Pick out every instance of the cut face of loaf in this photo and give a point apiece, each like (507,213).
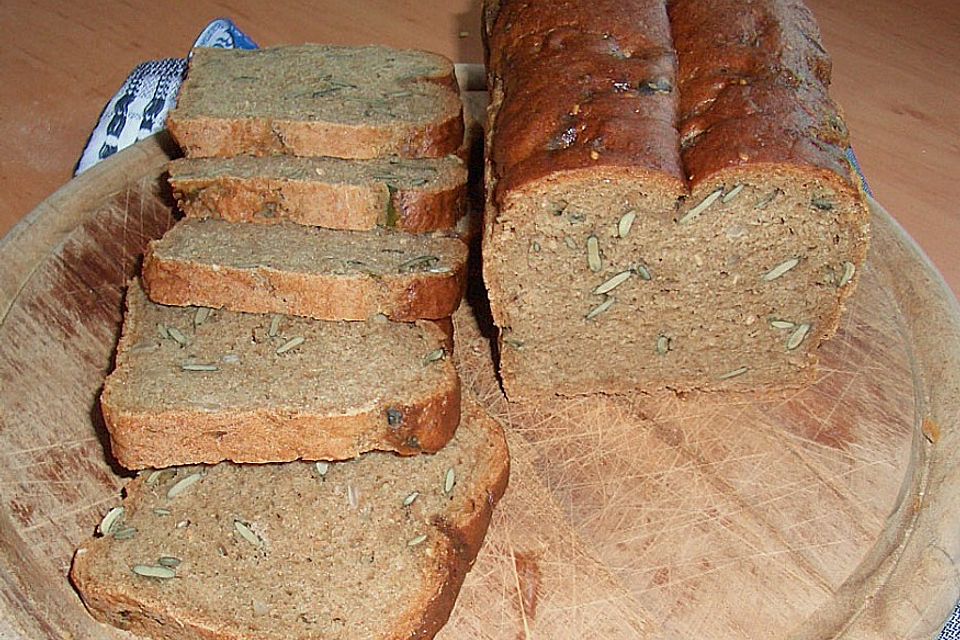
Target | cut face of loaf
(682,214)
(196,385)
(311,100)
(307,271)
(374,548)
(600,286)
(414,195)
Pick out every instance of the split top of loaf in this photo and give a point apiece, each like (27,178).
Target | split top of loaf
(681,214)
(372,548)
(313,100)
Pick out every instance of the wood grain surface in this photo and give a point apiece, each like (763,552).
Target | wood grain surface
(828,512)
(895,72)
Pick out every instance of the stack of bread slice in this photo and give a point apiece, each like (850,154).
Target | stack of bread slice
(298,317)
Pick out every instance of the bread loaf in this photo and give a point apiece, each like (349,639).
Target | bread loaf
(680,214)
(307,271)
(201,386)
(312,100)
(370,549)
(414,195)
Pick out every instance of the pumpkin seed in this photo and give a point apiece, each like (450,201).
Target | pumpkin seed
(353,496)
(247,533)
(433,356)
(410,499)
(733,374)
(733,193)
(420,539)
(782,324)
(593,254)
(600,308)
(821,203)
(780,269)
(125,533)
(420,263)
(570,242)
(642,271)
(848,270)
(199,366)
(154,477)
(110,521)
(177,336)
(613,282)
(693,213)
(798,336)
(626,223)
(160,511)
(274,328)
(513,342)
(153,571)
(322,468)
(162,332)
(663,345)
(183,484)
(449,480)
(765,201)
(292,343)
(168,561)
(201,316)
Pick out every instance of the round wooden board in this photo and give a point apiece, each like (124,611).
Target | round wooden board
(828,512)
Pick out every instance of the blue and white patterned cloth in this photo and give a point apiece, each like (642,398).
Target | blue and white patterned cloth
(140,109)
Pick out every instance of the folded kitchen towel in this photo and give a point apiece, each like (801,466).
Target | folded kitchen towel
(139,109)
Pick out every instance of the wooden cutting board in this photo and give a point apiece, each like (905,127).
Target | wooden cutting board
(829,512)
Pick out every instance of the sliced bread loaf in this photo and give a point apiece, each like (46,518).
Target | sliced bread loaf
(681,218)
(312,100)
(199,385)
(307,271)
(374,548)
(414,195)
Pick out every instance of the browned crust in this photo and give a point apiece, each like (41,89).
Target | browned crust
(401,297)
(166,438)
(462,540)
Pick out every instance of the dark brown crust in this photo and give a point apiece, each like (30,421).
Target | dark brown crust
(463,538)
(615,106)
(754,85)
(354,207)
(401,297)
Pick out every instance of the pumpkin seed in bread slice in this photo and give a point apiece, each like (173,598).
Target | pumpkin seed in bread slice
(373,548)
(194,385)
(313,100)
(307,271)
(415,195)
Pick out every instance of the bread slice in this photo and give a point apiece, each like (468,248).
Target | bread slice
(414,195)
(681,214)
(306,271)
(374,548)
(312,100)
(198,385)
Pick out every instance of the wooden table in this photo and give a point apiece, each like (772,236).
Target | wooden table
(895,72)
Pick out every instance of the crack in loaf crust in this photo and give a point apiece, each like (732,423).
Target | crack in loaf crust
(680,211)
